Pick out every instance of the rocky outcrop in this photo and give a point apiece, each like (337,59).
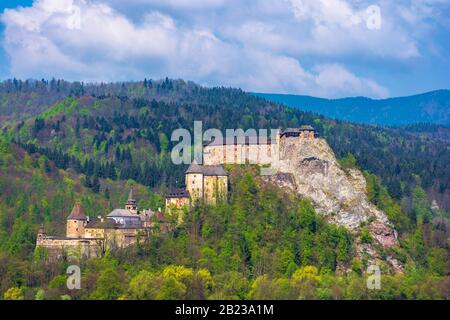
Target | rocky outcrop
(384,234)
(310,168)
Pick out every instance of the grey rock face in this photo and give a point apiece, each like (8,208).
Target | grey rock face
(336,193)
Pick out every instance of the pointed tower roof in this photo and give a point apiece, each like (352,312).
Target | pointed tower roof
(195,168)
(131,195)
(77,213)
(131,202)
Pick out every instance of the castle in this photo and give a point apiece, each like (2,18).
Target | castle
(206,183)
(91,237)
(209,182)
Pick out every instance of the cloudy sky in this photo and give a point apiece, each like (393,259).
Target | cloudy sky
(327,48)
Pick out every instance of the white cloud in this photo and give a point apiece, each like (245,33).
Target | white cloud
(258,46)
(335,78)
(337,28)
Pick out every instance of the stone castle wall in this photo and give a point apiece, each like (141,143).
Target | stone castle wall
(93,243)
(260,154)
(239,154)
(72,248)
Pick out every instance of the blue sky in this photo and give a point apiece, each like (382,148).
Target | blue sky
(326,48)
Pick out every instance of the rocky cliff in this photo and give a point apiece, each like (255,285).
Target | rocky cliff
(310,168)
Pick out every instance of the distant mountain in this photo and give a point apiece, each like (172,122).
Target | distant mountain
(430,107)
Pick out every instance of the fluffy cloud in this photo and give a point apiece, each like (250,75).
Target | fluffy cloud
(335,78)
(258,46)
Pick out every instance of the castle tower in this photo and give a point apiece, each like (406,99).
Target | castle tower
(41,234)
(208,183)
(131,202)
(76,222)
(194,181)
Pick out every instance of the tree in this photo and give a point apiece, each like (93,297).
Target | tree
(305,281)
(22,239)
(420,205)
(390,288)
(356,288)
(416,245)
(47,167)
(344,245)
(107,196)
(306,247)
(285,263)
(264,288)
(87,182)
(108,286)
(144,286)
(13,293)
(379,196)
(438,263)
(96,185)
(171,289)
(307,216)
(200,286)
(230,285)
(349,162)
(40,294)
(395,189)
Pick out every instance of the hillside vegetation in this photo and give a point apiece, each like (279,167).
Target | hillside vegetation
(93,141)
(263,244)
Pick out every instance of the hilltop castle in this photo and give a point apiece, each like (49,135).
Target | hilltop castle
(209,182)
(91,237)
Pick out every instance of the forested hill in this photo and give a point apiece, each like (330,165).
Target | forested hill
(123,131)
(61,142)
(428,130)
(431,107)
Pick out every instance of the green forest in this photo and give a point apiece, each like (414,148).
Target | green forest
(63,142)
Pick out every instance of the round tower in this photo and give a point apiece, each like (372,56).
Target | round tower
(76,222)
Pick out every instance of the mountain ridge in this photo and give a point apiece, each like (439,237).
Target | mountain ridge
(126,126)
(429,107)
